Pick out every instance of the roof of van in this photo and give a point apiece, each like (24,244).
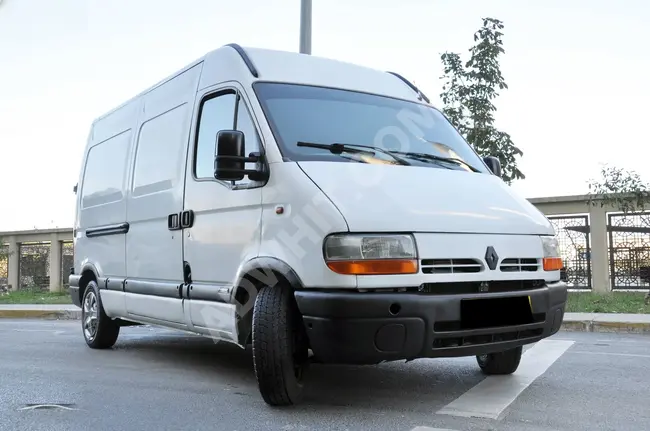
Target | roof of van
(284,66)
(230,61)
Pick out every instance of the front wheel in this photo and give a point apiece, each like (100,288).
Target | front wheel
(280,350)
(505,362)
(100,331)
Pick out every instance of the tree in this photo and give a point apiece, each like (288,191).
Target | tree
(468,97)
(622,189)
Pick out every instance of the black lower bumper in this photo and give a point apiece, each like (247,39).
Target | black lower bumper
(368,328)
(74,289)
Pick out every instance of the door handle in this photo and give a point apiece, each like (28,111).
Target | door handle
(174,221)
(181,220)
(187,219)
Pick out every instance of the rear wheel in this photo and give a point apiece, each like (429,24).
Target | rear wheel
(100,331)
(505,362)
(280,349)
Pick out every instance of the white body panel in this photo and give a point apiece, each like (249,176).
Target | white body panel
(211,318)
(113,303)
(296,236)
(416,199)
(139,167)
(102,198)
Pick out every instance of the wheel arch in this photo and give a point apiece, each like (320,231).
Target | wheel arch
(88,273)
(252,276)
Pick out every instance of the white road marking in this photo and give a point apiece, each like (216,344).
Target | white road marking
(430,429)
(631,355)
(494,394)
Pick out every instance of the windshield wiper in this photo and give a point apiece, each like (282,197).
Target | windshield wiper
(430,157)
(349,148)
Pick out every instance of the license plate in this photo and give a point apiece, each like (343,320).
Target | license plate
(497,311)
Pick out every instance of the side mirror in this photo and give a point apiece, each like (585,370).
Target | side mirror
(494,164)
(229,161)
(230,158)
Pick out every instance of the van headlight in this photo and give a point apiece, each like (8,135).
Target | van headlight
(367,254)
(551,248)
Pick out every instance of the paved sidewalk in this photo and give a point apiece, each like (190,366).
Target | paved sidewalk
(584,322)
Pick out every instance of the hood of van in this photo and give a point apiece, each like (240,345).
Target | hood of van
(380,198)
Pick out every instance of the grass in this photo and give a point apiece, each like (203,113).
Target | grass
(36,297)
(614,302)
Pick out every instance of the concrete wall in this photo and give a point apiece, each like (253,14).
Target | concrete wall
(15,238)
(570,205)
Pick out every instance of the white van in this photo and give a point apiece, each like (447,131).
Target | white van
(318,210)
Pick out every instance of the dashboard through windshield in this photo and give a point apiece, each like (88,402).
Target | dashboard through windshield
(302,113)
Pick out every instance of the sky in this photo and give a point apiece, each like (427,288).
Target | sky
(576,70)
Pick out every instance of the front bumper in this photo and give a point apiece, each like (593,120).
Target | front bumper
(364,328)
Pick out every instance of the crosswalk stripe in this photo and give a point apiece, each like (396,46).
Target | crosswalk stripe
(490,397)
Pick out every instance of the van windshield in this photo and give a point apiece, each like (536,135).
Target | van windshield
(301,113)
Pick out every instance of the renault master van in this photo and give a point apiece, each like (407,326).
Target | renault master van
(315,210)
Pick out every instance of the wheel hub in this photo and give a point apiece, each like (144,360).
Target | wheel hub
(90,315)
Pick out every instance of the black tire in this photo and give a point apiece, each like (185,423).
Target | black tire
(103,333)
(280,350)
(505,362)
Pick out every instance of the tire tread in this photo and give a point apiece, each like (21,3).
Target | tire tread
(272,359)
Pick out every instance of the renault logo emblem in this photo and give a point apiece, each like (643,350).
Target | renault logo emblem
(491,258)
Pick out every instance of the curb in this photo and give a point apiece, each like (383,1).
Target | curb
(41,314)
(596,326)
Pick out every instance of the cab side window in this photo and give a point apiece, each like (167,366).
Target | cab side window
(224,112)
(217,113)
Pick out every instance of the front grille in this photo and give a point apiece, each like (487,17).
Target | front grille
(470,287)
(519,265)
(451,266)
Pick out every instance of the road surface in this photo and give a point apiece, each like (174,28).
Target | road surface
(157,379)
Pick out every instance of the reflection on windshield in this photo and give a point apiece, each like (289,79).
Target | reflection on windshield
(314,114)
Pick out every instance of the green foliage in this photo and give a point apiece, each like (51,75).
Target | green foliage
(623,189)
(469,90)
(35,296)
(612,302)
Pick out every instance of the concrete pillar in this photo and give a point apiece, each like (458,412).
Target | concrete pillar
(13,264)
(599,250)
(55,263)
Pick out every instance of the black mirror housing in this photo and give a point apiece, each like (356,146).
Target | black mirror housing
(493,164)
(230,158)
(229,161)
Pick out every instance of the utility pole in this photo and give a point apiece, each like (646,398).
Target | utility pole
(305,27)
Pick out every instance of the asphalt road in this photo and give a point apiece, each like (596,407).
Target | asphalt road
(155,379)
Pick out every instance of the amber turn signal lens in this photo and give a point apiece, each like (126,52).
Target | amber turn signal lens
(552,263)
(374,267)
